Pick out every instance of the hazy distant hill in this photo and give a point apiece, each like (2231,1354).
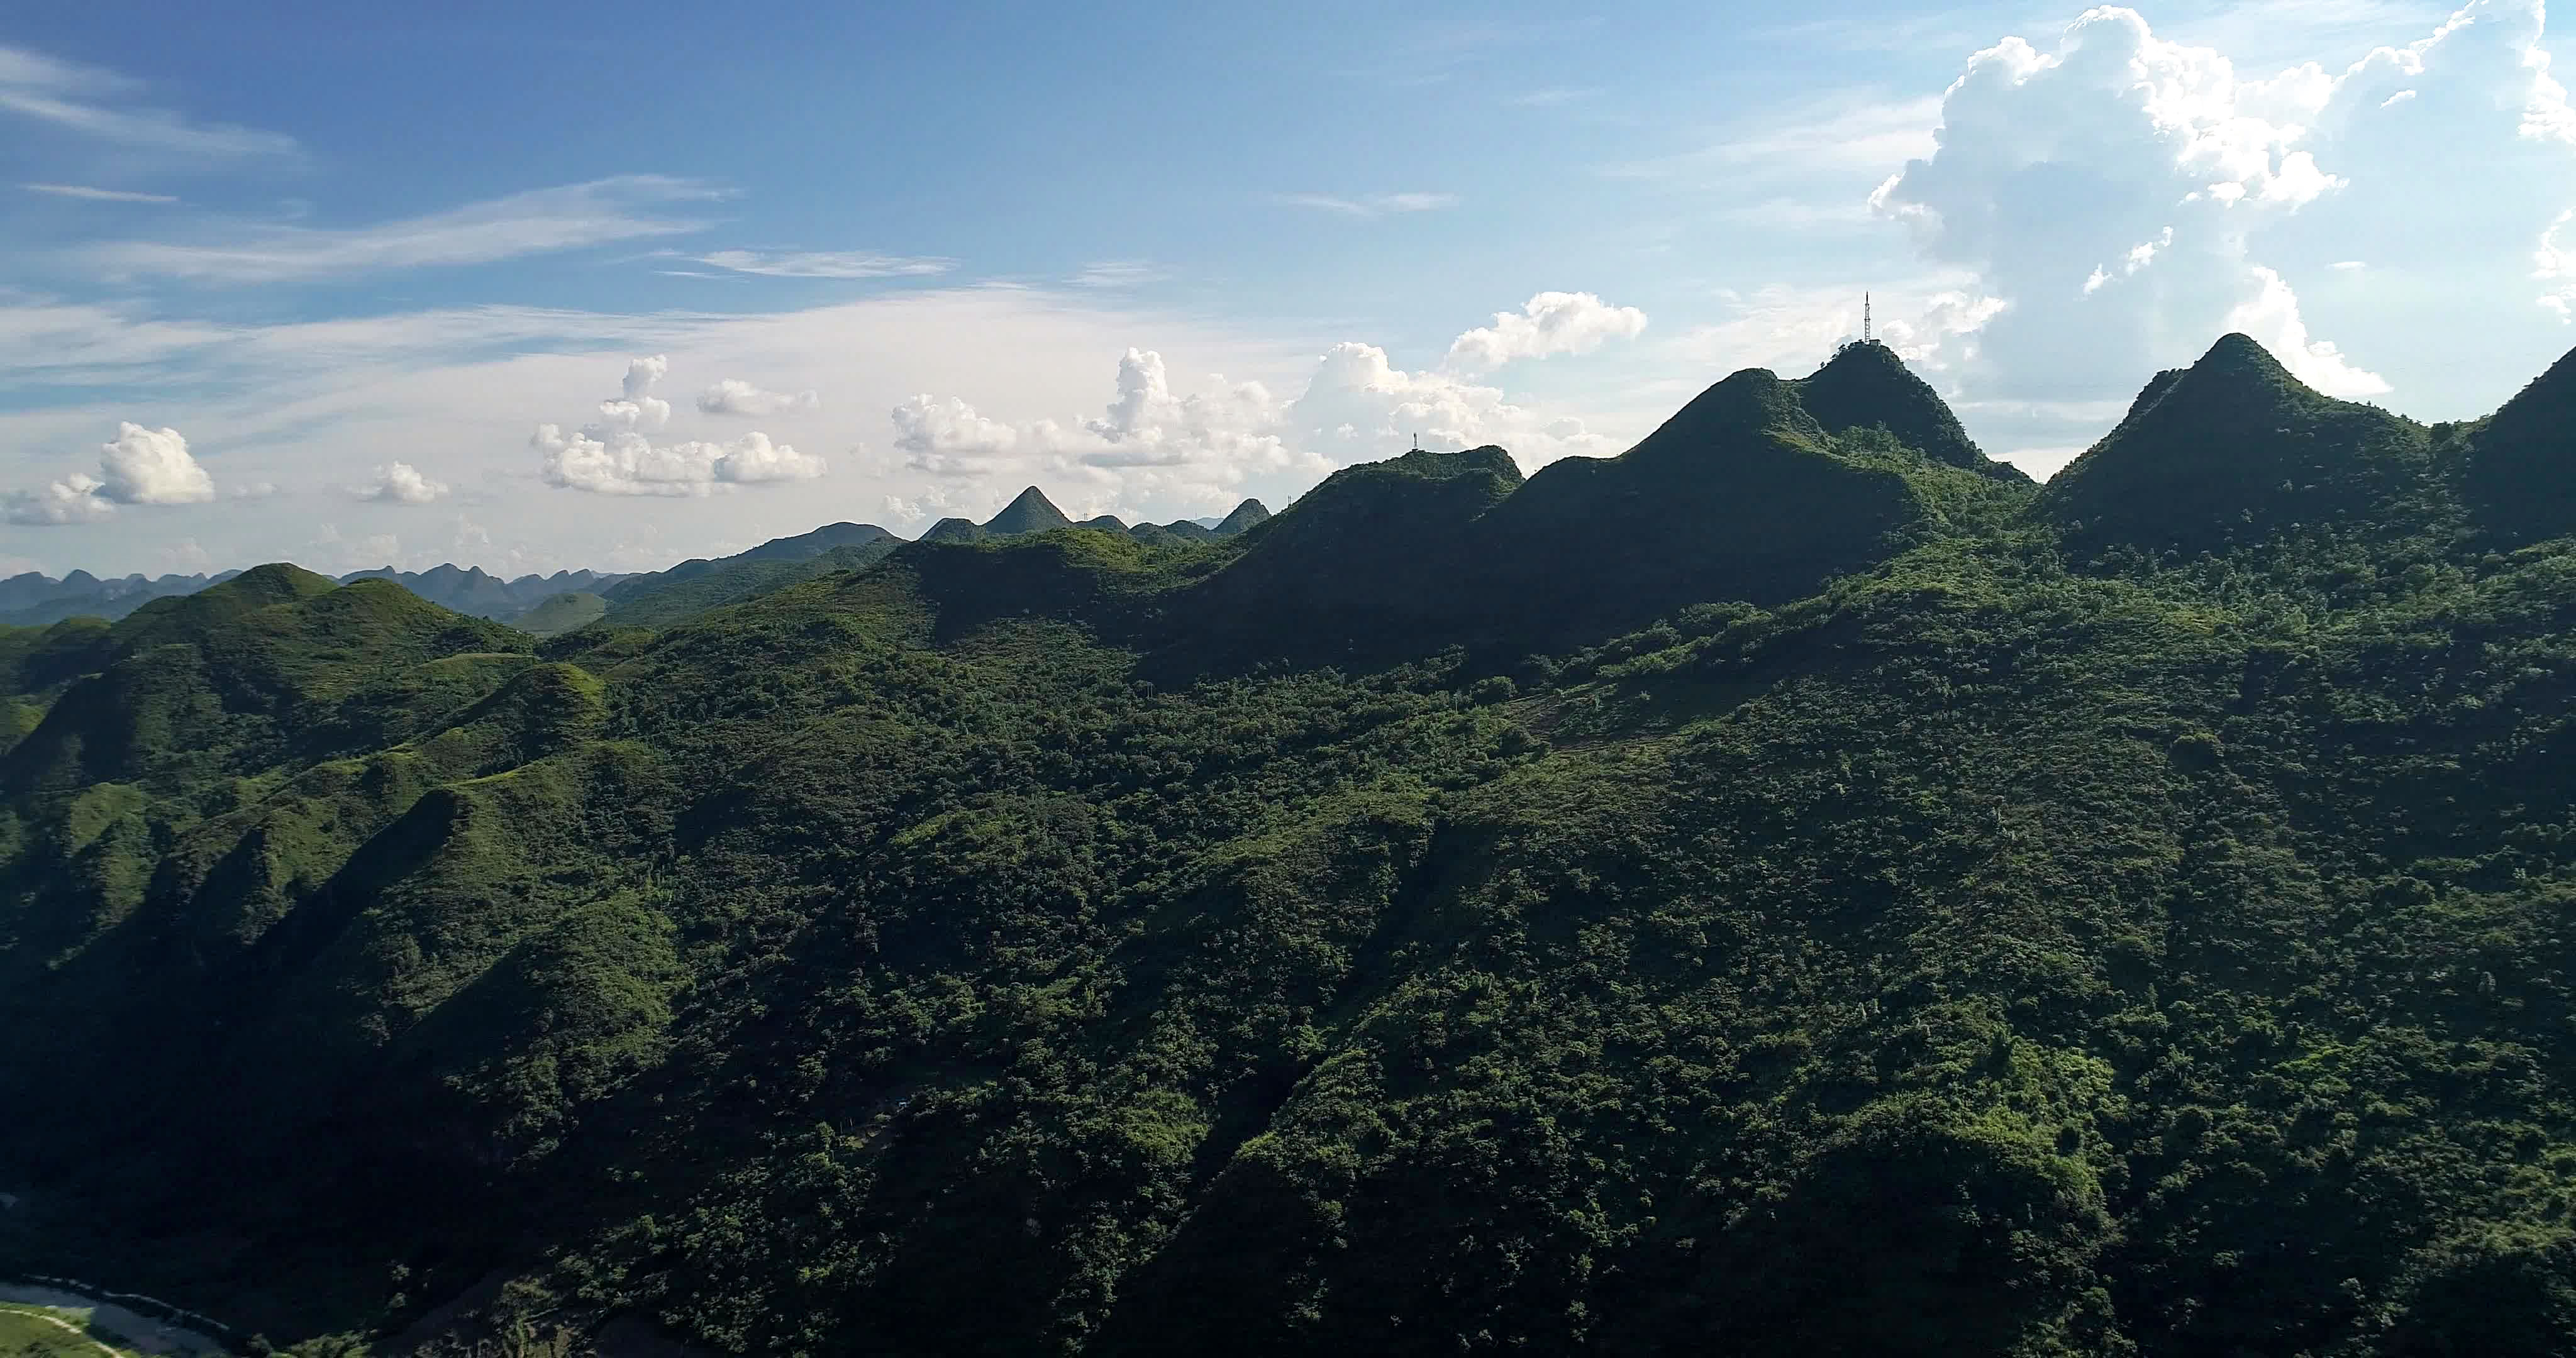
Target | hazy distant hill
(658,598)
(561,613)
(469,589)
(33,599)
(1032,512)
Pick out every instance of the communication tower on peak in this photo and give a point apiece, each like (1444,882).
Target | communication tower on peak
(1868,332)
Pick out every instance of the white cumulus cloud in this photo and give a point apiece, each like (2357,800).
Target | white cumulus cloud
(151,467)
(2121,199)
(947,437)
(138,467)
(617,455)
(73,499)
(1200,450)
(1549,323)
(732,396)
(403,484)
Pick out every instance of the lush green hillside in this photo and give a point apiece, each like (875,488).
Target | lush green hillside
(2234,450)
(1780,891)
(1866,386)
(561,613)
(1741,495)
(2520,458)
(693,587)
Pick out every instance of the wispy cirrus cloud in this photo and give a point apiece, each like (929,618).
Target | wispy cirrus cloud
(825,264)
(1853,132)
(75,98)
(1119,273)
(53,342)
(625,207)
(1551,97)
(98,195)
(1421,52)
(1372,205)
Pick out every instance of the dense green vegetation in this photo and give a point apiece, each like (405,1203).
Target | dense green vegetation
(1785,890)
(561,613)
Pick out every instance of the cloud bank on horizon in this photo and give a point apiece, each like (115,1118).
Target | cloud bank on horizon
(1208,449)
(2076,209)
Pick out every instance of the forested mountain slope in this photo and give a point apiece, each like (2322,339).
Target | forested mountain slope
(1923,922)
(2233,450)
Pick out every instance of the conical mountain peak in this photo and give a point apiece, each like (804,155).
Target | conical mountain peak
(2545,402)
(277,582)
(1246,515)
(1867,356)
(2239,352)
(2228,449)
(1753,401)
(2235,385)
(2520,459)
(1868,386)
(1032,512)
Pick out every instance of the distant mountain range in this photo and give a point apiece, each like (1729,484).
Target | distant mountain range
(33,600)
(662,597)
(471,591)
(1032,512)
(544,603)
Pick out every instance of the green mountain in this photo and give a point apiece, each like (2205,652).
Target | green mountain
(1244,517)
(1743,495)
(1866,386)
(2230,451)
(1365,564)
(661,598)
(1778,891)
(1030,512)
(561,613)
(806,546)
(2517,479)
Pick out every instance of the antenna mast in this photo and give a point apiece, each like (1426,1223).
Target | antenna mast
(1868,332)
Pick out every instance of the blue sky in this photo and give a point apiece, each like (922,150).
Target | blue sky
(536,287)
